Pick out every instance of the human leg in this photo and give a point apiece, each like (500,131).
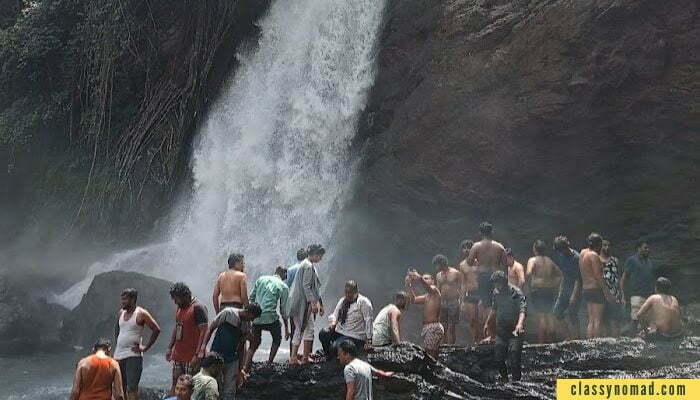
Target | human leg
(276,333)
(230,375)
(515,350)
(327,337)
(500,353)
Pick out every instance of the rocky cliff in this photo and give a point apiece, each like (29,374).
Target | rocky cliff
(542,116)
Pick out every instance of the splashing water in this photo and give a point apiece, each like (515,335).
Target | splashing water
(272,166)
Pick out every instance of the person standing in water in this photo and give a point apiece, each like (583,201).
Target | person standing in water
(357,373)
(269,292)
(490,256)
(567,304)
(508,312)
(638,278)
(191,325)
(661,315)
(594,290)
(449,282)
(386,328)
(231,287)
(470,288)
(351,320)
(433,331)
(516,271)
(306,303)
(614,312)
(543,278)
(97,376)
(128,332)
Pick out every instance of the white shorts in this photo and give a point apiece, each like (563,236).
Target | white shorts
(308,333)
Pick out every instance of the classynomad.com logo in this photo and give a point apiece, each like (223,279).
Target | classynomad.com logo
(628,389)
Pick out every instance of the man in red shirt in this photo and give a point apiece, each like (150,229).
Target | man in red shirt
(191,326)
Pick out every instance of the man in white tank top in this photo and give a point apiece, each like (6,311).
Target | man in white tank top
(129,349)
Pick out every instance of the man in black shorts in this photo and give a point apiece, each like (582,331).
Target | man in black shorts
(567,304)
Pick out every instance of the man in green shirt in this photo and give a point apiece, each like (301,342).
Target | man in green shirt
(205,385)
(268,292)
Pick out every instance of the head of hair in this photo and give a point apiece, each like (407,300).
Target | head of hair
(606,241)
(349,347)
(351,286)
(595,240)
(400,295)
(130,293)
(212,359)
(234,258)
(301,254)
(509,252)
(466,243)
(540,247)
(315,249)
(254,309)
(102,344)
(186,379)
(486,228)
(663,285)
(180,289)
(440,261)
(499,277)
(642,242)
(561,242)
(280,270)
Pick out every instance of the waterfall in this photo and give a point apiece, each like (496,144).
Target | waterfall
(271,164)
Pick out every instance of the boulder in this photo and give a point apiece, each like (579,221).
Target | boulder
(96,314)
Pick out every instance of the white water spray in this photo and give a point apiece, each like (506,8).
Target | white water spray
(272,166)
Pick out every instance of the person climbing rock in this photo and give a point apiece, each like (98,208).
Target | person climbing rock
(269,292)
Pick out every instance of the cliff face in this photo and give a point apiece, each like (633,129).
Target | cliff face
(544,117)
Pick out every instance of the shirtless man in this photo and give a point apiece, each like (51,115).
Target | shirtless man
(449,282)
(491,257)
(516,271)
(433,330)
(231,288)
(595,291)
(470,288)
(543,278)
(662,314)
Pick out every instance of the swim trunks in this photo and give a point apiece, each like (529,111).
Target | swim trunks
(542,299)
(485,285)
(233,304)
(432,335)
(449,311)
(660,338)
(594,296)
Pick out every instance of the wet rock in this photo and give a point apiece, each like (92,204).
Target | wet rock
(95,316)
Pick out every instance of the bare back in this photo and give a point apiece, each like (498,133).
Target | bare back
(591,270)
(543,272)
(449,282)
(664,313)
(470,276)
(491,255)
(516,275)
(231,285)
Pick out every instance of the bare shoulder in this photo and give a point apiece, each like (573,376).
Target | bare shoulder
(499,245)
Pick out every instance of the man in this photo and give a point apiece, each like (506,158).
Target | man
(638,278)
(386,327)
(516,271)
(291,274)
(269,292)
(184,388)
(306,303)
(128,332)
(614,312)
(188,333)
(358,374)
(661,314)
(205,384)
(566,305)
(351,320)
(231,326)
(508,310)
(97,376)
(491,257)
(470,288)
(543,277)
(449,282)
(231,287)
(433,331)
(595,292)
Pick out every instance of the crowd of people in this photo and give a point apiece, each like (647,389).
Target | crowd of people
(489,286)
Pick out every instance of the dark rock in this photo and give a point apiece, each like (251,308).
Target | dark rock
(95,316)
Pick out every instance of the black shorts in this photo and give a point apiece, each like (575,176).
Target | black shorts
(542,300)
(274,328)
(594,296)
(131,369)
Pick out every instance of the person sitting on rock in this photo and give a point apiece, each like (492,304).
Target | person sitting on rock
(357,373)
(351,320)
(98,376)
(433,331)
(231,287)
(508,309)
(205,384)
(661,315)
(184,388)
(386,327)
(232,325)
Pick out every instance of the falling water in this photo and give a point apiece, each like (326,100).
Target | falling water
(272,166)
